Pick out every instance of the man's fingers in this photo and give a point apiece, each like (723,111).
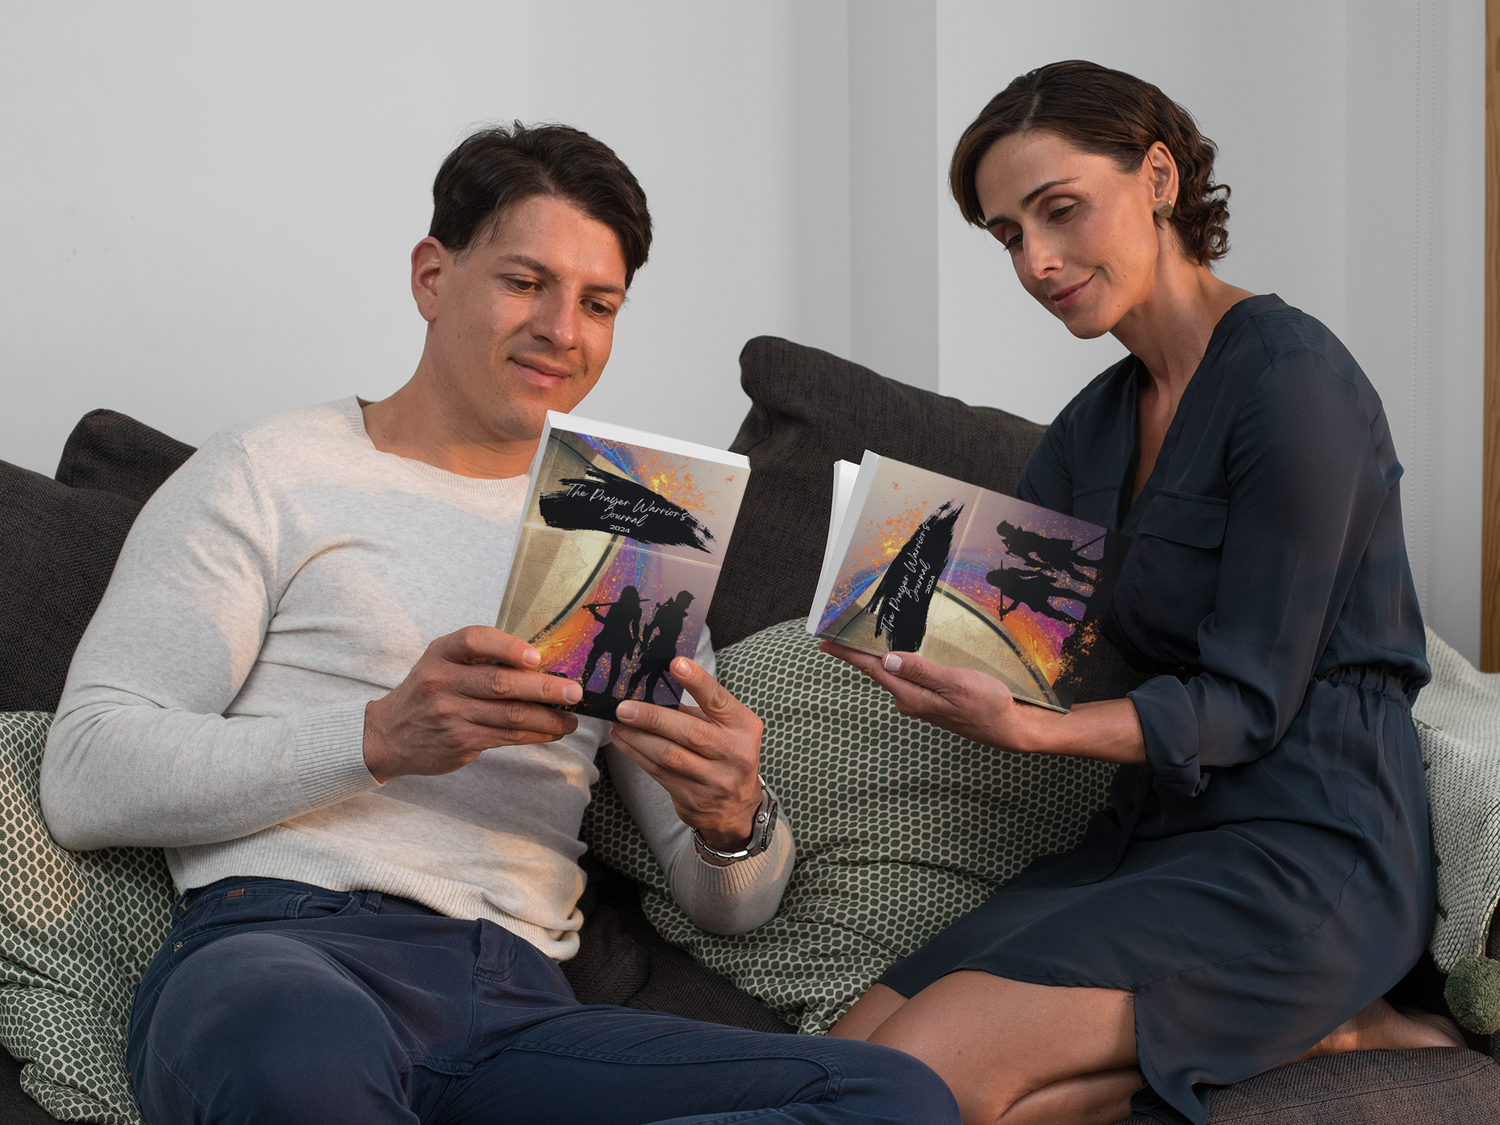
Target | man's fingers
(493,681)
(480,644)
(692,732)
(662,758)
(513,716)
(712,696)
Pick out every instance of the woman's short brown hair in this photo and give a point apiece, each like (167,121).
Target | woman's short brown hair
(1113,114)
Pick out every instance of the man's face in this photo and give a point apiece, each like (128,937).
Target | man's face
(521,323)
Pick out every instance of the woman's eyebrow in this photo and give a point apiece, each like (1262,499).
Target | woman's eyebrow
(1030,199)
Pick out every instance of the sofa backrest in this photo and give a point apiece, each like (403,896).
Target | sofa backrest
(58,544)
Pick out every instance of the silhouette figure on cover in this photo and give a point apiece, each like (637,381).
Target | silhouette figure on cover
(619,634)
(659,643)
(1046,564)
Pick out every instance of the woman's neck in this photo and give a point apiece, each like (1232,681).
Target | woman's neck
(1170,332)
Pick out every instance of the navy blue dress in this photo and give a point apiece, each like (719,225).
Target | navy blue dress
(1268,872)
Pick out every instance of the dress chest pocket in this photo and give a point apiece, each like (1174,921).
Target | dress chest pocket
(1174,565)
(1186,518)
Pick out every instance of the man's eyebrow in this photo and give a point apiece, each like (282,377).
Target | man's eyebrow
(1030,199)
(537,267)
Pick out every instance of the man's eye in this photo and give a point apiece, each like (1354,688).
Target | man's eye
(522,284)
(600,309)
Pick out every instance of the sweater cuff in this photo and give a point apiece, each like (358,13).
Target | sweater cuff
(330,749)
(1169,725)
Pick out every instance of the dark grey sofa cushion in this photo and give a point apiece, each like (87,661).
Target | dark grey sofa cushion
(112,451)
(57,550)
(809,409)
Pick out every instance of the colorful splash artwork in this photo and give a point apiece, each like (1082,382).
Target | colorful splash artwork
(617,562)
(971,578)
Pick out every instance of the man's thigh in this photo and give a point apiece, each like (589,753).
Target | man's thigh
(619,1066)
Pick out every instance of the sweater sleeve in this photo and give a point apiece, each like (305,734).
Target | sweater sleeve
(140,752)
(1308,472)
(721,900)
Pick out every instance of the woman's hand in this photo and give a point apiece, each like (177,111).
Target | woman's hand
(971,704)
(982,709)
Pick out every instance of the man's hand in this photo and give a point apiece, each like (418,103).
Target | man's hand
(706,757)
(469,691)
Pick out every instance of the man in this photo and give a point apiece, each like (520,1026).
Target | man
(369,801)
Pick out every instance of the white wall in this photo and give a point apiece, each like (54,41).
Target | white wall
(208,211)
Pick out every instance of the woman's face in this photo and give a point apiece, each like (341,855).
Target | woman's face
(1081,234)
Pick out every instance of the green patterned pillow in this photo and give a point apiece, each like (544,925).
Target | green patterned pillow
(76,933)
(901,827)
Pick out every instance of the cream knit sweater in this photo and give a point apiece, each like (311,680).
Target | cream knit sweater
(288,574)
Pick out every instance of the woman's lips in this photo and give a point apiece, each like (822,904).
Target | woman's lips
(1066,298)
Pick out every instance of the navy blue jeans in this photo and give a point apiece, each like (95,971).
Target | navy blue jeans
(279,1003)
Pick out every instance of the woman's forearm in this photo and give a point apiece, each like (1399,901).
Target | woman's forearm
(1109,731)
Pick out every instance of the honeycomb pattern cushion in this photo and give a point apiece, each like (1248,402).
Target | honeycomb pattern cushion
(76,932)
(900,827)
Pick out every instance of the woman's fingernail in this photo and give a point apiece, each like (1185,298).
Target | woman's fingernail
(892,662)
(627,711)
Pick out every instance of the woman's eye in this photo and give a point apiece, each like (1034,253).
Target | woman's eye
(1007,236)
(1062,214)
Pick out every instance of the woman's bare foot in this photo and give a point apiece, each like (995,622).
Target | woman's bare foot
(1382,1027)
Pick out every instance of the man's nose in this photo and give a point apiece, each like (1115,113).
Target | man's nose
(556,318)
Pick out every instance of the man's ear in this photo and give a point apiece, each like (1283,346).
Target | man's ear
(430,260)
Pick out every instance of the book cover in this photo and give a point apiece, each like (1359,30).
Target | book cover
(920,562)
(617,560)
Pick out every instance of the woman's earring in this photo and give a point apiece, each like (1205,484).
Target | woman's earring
(1165,210)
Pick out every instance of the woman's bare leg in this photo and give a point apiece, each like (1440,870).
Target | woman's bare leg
(1379,1026)
(869,1012)
(1011,1052)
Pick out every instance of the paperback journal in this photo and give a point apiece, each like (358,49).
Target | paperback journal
(920,562)
(617,561)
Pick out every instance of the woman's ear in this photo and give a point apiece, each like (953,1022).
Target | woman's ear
(1161,170)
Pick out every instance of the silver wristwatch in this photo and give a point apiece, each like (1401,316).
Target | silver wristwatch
(760,835)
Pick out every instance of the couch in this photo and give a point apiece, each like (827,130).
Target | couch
(846,915)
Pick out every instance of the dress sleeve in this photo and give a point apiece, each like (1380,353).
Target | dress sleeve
(140,752)
(721,900)
(1309,466)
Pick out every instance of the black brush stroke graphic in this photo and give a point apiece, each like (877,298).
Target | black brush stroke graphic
(905,591)
(602,501)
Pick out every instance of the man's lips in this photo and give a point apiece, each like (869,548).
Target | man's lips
(1064,298)
(540,367)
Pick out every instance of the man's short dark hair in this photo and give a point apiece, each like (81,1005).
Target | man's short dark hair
(497,167)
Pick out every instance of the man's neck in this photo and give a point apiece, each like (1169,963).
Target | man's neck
(412,423)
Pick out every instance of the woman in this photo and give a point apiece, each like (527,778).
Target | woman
(1262,874)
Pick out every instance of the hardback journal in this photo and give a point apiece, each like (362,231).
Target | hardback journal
(920,562)
(619,555)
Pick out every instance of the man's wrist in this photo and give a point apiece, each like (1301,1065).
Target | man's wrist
(762,829)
